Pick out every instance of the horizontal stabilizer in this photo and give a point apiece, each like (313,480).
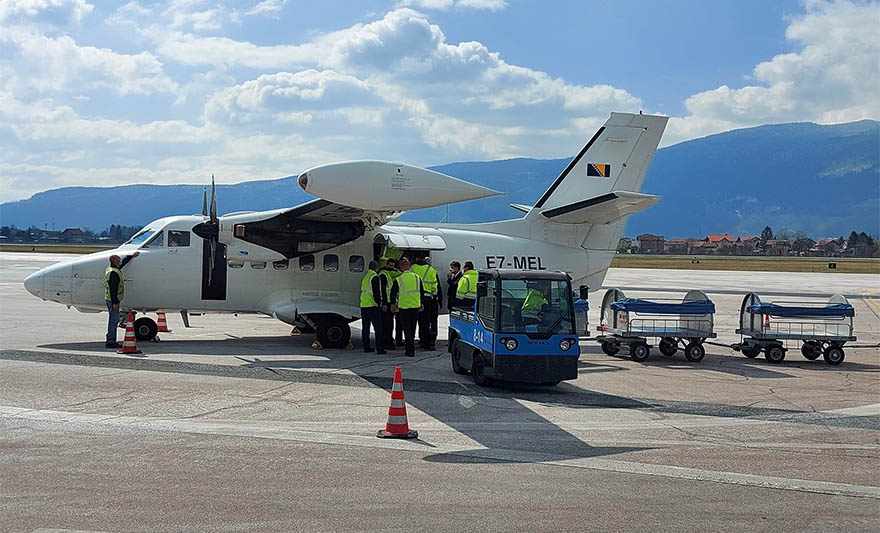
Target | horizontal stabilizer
(522,208)
(603,209)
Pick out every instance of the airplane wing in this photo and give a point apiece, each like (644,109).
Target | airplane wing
(603,209)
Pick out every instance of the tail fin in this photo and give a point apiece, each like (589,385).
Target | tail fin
(614,161)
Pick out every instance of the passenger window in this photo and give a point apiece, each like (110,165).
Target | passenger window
(280,265)
(156,242)
(356,263)
(259,265)
(331,263)
(235,264)
(178,238)
(307,263)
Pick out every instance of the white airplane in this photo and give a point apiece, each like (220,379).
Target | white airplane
(304,265)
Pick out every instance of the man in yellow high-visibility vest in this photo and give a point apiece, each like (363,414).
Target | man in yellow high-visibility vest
(532,304)
(407,294)
(432,302)
(372,300)
(466,294)
(388,273)
(114,290)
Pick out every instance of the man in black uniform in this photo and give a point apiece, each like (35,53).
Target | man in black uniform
(452,278)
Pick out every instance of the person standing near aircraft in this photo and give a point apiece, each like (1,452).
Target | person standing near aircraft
(388,273)
(452,278)
(372,301)
(466,294)
(408,292)
(431,302)
(114,290)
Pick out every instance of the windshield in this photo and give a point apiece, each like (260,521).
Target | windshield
(141,236)
(535,306)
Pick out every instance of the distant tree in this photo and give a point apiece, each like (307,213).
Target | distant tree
(853,239)
(803,244)
(766,234)
(841,241)
(865,239)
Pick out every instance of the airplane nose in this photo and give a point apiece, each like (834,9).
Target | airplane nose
(34,284)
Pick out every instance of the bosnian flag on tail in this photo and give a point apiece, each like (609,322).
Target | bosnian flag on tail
(598,170)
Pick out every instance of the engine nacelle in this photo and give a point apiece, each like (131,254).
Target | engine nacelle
(383,186)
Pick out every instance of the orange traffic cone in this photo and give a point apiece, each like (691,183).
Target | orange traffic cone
(766,321)
(163,324)
(129,345)
(397,426)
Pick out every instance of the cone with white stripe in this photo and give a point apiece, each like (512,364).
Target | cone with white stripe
(163,324)
(397,426)
(766,321)
(129,345)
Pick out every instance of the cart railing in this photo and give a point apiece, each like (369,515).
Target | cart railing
(815,328)
(673,326)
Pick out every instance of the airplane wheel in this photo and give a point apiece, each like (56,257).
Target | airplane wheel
(639,351)
(145,329)
(478,372)
(610,348)
(694,352)
(333,332)
(811,350)
(456,359)
(774,354)
(668,346)
(834,355)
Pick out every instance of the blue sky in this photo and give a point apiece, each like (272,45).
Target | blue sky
(107,93)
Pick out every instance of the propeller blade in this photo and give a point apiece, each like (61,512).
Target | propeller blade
(213,201)
(213,243)
(205,201)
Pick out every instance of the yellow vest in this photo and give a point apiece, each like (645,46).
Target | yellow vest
(389,280)
(429,278)
(121,291)
(467,286)
(367,299)
(408,294)
(532,304)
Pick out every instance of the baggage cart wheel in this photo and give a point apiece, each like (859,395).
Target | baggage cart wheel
(478,372)
(774,353)
(811,350)
(456,358)
(610,348)
(694,352)
(668,346)
(834,355)
(751,351)
(639,351)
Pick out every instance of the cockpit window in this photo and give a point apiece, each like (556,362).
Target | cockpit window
(158,241)
(178,238)
(141,236)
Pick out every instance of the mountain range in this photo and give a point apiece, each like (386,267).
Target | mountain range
(823,180)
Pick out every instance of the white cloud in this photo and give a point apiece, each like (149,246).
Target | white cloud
(54,12)
(269,8)
(445,5)
(834,77)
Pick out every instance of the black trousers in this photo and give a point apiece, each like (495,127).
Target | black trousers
(398,329)
(408,319)
(371,316)
(428,323)
(388,329)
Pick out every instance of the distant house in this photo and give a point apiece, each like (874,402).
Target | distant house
(826,248)
(650,244)
(723,242)
(778,247)
(624,245)
(703,248)
(746,244)
(676,246)
(859,250)
(73,236)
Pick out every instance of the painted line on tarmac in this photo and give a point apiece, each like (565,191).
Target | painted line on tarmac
(226,428)
(870,299)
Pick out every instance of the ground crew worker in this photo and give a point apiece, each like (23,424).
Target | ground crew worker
(114,290)
(452,278)
(407,294)
(532,305)
(372,300)
(388,274)
(432,302)
(466,294)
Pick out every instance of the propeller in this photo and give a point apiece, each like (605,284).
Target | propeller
(210,230)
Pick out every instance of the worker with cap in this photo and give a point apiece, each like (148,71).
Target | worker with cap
(466,294)
(532,304)
(431,302)
(372,300)
(114,290)
(407,294)
(387,274)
